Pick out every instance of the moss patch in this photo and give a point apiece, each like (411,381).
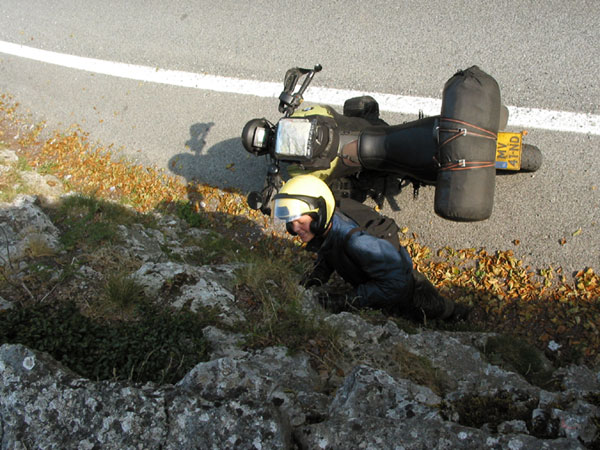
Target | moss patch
(419,369)
(476,411)
(519,356)
(159,346)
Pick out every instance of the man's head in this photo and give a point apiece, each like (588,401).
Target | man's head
(306,204)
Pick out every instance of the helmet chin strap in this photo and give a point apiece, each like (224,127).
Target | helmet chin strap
(290,228)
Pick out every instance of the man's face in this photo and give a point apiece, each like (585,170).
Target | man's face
(301,227)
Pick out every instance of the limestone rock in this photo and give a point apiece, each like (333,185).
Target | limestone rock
(389,389)
(25,226)
(191,287)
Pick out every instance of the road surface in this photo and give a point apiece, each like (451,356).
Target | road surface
(545,60)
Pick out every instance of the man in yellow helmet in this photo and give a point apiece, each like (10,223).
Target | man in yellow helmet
(381,275)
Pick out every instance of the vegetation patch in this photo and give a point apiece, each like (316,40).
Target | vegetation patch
(419,369)
(517,355)
(88,222)
(11,184)
(160,345)
(121,295)
(269,293)
(477,411)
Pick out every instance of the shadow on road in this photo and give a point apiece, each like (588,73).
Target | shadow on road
(225,164)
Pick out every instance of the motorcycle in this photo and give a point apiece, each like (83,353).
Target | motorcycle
(359,155)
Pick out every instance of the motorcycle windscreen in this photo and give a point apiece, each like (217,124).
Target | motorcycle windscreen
(295,139)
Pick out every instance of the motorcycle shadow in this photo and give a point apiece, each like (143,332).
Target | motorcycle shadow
(213,195)
(224,164)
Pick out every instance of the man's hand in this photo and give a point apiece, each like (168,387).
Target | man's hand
(308,281)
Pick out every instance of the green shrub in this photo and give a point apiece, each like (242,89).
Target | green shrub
(185,211)
(87,221)
(161,346)
(123,291)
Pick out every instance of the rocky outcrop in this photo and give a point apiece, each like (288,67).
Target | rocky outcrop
(270,399)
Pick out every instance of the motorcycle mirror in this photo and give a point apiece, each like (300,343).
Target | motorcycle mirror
(254,200)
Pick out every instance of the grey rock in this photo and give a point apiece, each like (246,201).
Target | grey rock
(144,242)
(372,410)
(8,157)
(47,187)
(579,378)
(231,424)
(191,287)
(269,376)
(23,224)
(44,405)
(269,398)
(513,427)
(5,304)
(223,344)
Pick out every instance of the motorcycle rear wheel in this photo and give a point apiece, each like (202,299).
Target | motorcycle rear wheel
(531,158)
(503,118)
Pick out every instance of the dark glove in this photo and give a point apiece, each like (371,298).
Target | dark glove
(318,277)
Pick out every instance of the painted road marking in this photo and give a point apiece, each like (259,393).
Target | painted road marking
(519,117)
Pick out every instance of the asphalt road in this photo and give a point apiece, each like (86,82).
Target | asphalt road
(545,57)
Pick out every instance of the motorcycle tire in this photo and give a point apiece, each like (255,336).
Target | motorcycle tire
(503,118)
(531,158)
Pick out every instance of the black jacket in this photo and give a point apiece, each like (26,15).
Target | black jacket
(381,275)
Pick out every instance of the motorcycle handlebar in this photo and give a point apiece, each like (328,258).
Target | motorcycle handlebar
(288,100)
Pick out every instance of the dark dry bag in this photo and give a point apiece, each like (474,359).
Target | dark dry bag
(467,146)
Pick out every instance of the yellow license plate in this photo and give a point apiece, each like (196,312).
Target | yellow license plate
(508,150)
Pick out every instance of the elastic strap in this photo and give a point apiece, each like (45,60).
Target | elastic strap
(467,165)
(468,130)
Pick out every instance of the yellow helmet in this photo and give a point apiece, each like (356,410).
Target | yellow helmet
(305,194)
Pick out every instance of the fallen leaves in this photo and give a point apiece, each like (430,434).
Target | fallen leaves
(541,305)
(518,300)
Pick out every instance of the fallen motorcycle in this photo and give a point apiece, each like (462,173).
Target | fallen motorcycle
(359,155)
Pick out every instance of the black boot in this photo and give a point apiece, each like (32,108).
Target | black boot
(461,312)
(428,304)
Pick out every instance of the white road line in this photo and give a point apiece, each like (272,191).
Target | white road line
(519,117)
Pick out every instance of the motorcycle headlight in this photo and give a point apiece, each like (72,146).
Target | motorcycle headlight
(256,136)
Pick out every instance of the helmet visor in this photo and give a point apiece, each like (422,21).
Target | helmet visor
(288,209)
